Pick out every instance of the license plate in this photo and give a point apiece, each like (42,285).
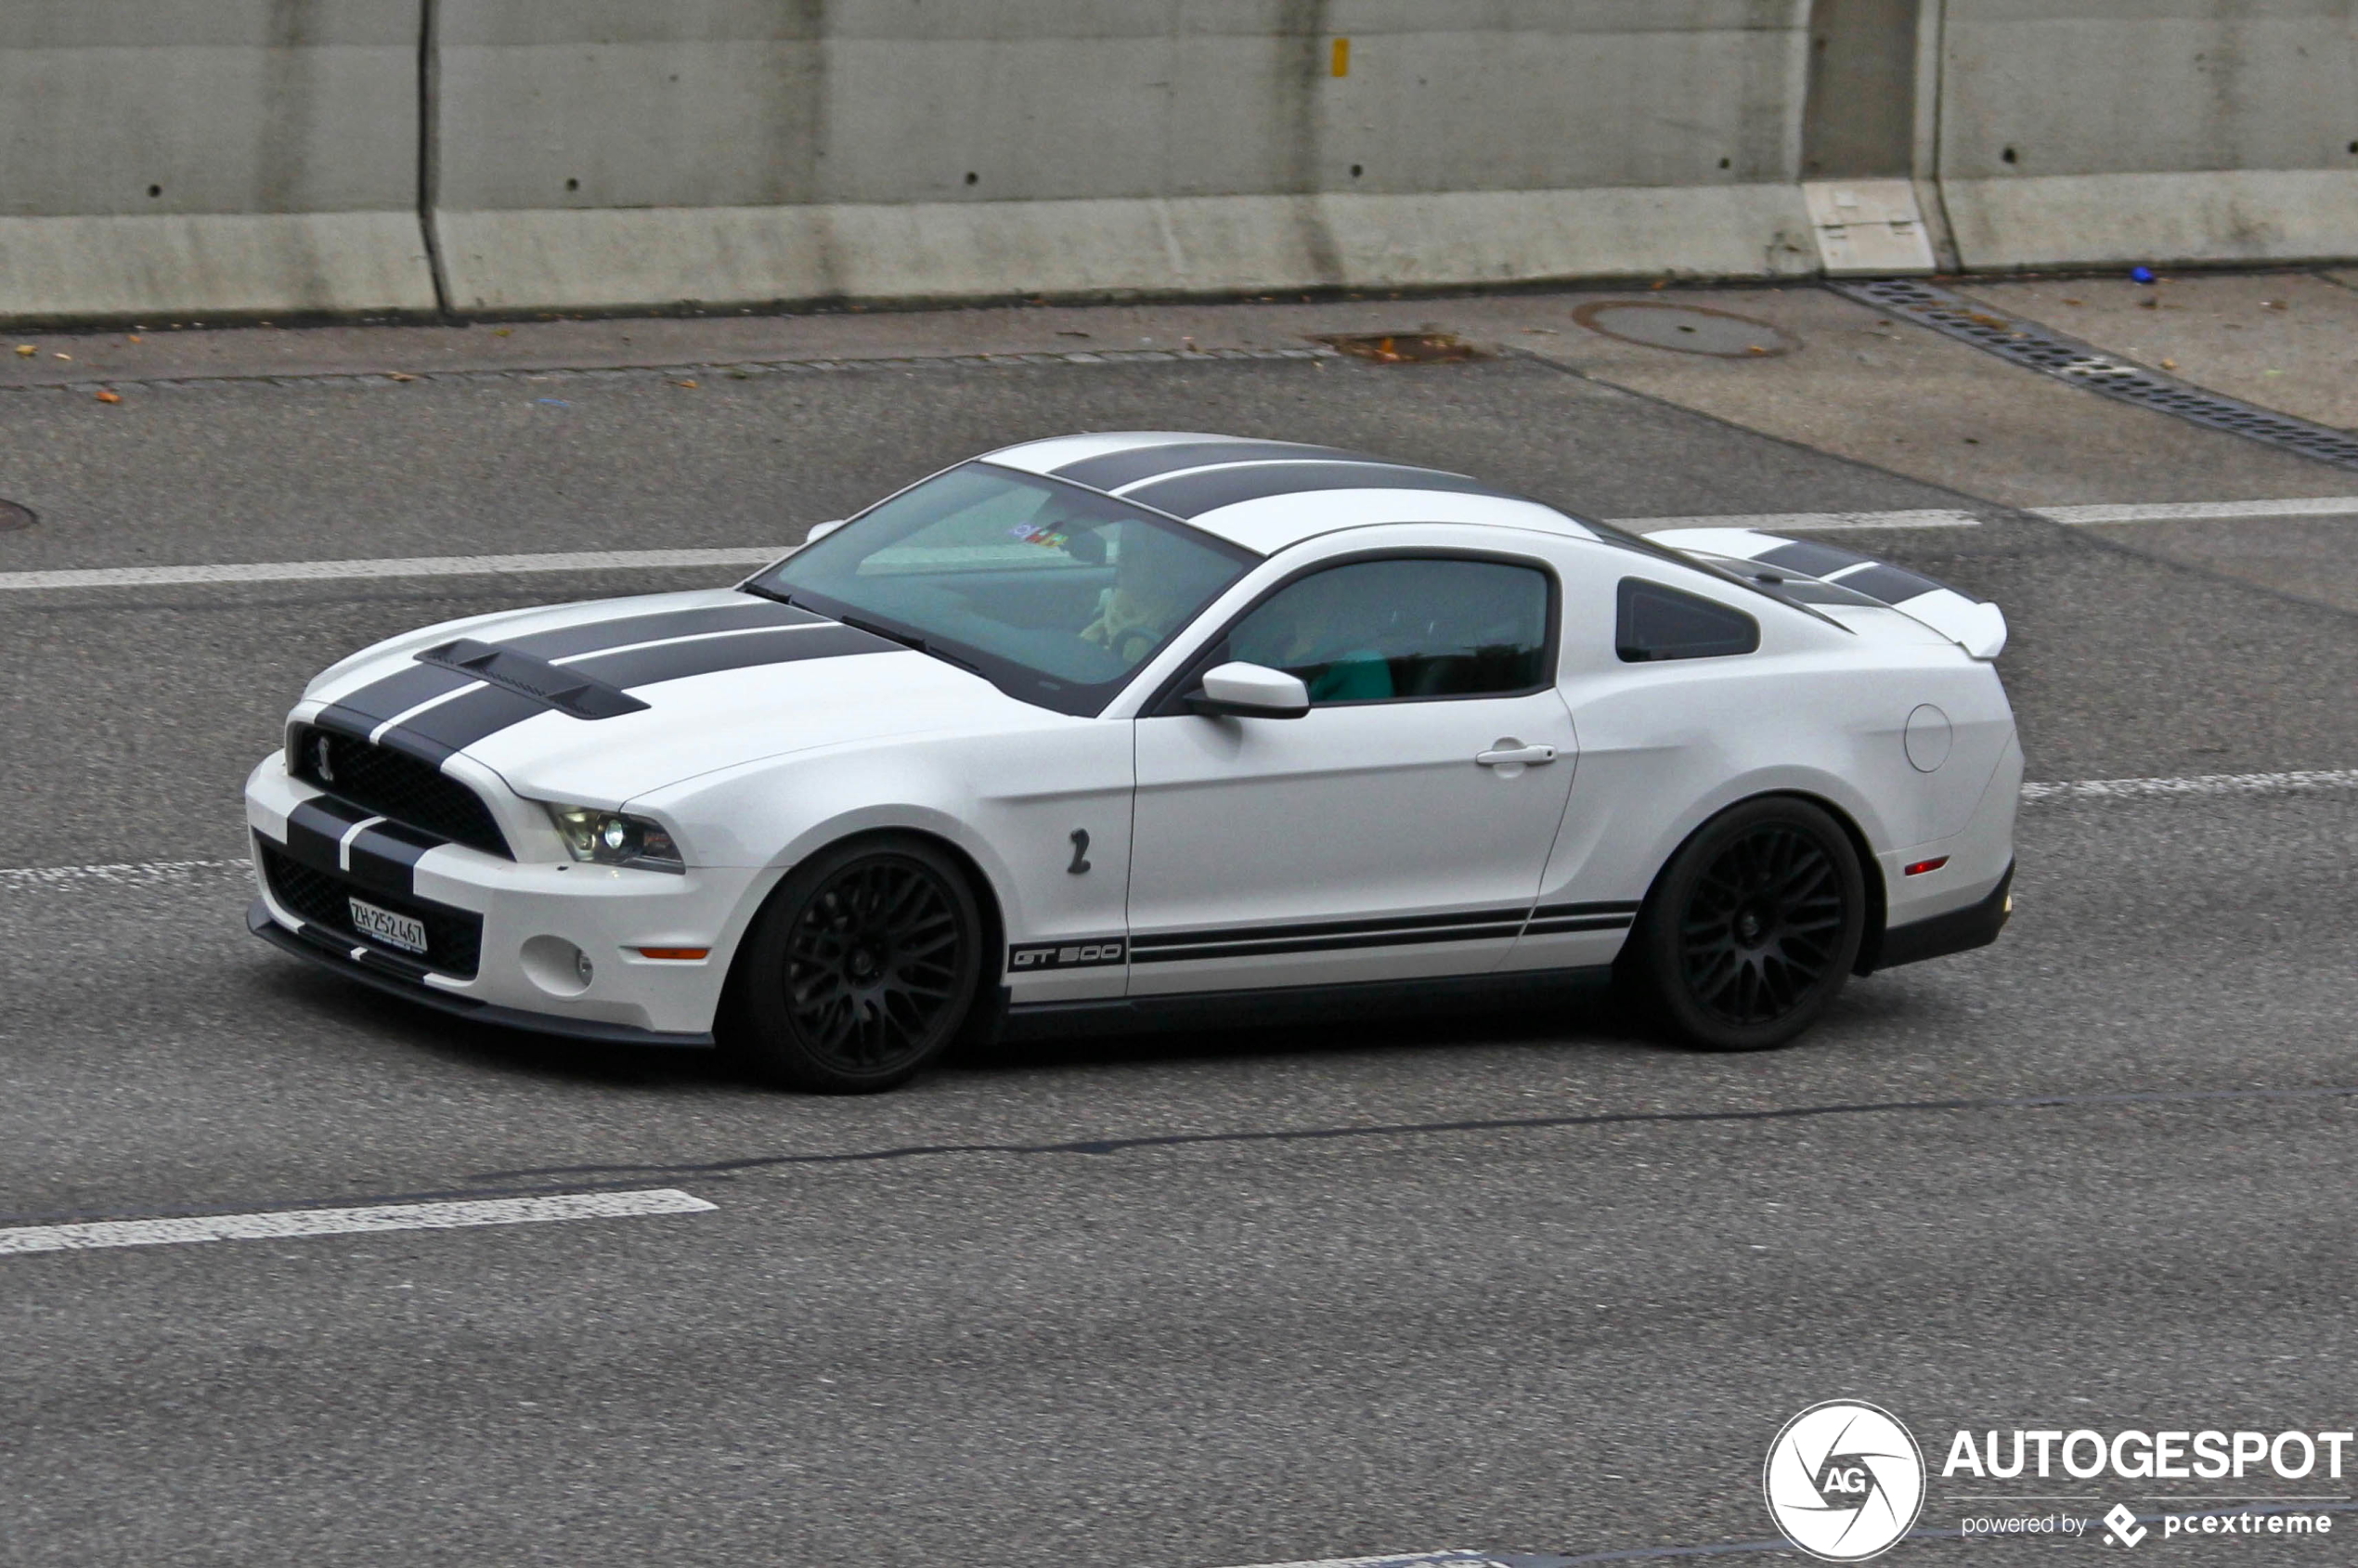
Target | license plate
(394,930)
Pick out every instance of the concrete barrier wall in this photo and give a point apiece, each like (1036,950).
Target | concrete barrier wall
(177,157)
(2097,132)
(603,152)
(169,156)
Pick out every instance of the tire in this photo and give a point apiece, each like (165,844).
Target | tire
(860,969)
(1752,929)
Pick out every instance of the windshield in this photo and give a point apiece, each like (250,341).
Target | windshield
(1054,593)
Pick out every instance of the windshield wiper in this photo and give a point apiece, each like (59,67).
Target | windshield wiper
(770,594)
(907,640)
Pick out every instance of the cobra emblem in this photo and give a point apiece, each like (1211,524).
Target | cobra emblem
(323,760)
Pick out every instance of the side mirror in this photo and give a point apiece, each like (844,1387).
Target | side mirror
(821,530)
(1251,690)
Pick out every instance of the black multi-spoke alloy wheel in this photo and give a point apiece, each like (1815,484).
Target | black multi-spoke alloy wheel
(861,968)
(1753,927)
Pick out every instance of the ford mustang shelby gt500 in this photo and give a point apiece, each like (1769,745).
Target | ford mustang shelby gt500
(1108,725)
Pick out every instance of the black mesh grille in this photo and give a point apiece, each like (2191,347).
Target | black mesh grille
(413,792)
(454,937)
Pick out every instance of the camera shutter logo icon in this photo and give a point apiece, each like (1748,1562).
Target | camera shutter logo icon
(1844,1481)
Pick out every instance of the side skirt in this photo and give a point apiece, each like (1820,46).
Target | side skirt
(1287,1004)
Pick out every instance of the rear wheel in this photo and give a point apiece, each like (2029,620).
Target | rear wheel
(860,969)
(1752,929)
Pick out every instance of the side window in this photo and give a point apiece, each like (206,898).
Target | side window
(1662,623)
(1378,630)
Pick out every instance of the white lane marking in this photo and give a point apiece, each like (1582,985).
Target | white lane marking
(2199,511)
(1411,1560)
(2307,781)
(144,874)
(762,555)
(401,566)
(348,1222)
(1804,522)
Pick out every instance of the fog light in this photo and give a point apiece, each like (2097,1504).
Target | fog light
(556,965)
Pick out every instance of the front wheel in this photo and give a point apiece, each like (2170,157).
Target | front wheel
(1752,929)
(860,969)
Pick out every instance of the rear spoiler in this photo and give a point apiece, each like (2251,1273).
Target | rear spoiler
(1975,625)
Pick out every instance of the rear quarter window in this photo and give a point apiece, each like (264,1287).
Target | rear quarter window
(1654,623)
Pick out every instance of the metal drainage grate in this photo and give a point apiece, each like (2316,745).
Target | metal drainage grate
(13,516)
(2042,348)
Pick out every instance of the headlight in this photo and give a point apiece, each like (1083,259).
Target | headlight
(615,838)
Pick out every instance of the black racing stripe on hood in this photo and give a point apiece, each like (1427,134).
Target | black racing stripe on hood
(1111,471)
(1191,495)
(460,722)
(569,641)
(676,661)
(405,688)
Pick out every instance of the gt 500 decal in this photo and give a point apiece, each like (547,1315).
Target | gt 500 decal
(1065,956)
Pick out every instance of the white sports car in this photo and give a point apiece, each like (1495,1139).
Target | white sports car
(1109,727)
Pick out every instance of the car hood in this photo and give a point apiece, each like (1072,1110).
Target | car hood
(595,703)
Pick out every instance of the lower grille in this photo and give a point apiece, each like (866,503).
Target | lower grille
(454,937)
(406,789)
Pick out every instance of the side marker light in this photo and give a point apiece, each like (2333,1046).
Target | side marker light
(1922,866)
(677,954)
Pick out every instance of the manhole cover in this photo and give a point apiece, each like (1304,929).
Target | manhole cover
(1403,348)
(1685,329)
(13,516)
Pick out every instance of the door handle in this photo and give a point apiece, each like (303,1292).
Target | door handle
(1510,754)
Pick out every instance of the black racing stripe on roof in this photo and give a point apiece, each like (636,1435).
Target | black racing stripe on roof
(1816,560)
(1893,585)
(1191,495)
(1111,471)
(676,661)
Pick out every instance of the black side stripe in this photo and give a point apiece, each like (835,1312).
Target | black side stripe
(1584,923)
(1329,927)
(1111,471)
(1191,495)
(1548,912)
(1496,930)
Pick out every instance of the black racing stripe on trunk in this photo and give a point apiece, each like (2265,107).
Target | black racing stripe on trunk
(1893,585)
(676,661)
(1810,558)
(1327,928)
(1111,471)
(1551,912)
(397,694)
(1496,930)
(568,641)
(1191,495)
(386,857)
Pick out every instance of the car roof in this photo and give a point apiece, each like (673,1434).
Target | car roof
(1266,494)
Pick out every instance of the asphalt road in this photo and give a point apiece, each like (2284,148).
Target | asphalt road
(1509,1281)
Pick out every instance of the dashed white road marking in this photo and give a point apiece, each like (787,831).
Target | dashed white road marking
(399,566)
(2201,511)
(1804,522)
(143,873)
(2308,782)
(762,555)
(282,1223)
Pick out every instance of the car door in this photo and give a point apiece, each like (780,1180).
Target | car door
(1398,829)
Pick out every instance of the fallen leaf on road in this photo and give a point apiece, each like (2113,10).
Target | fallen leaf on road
(64,357)
(690,385)
(26,350)
(397,376)
(111,397)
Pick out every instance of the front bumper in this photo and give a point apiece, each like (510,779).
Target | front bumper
(508,919)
